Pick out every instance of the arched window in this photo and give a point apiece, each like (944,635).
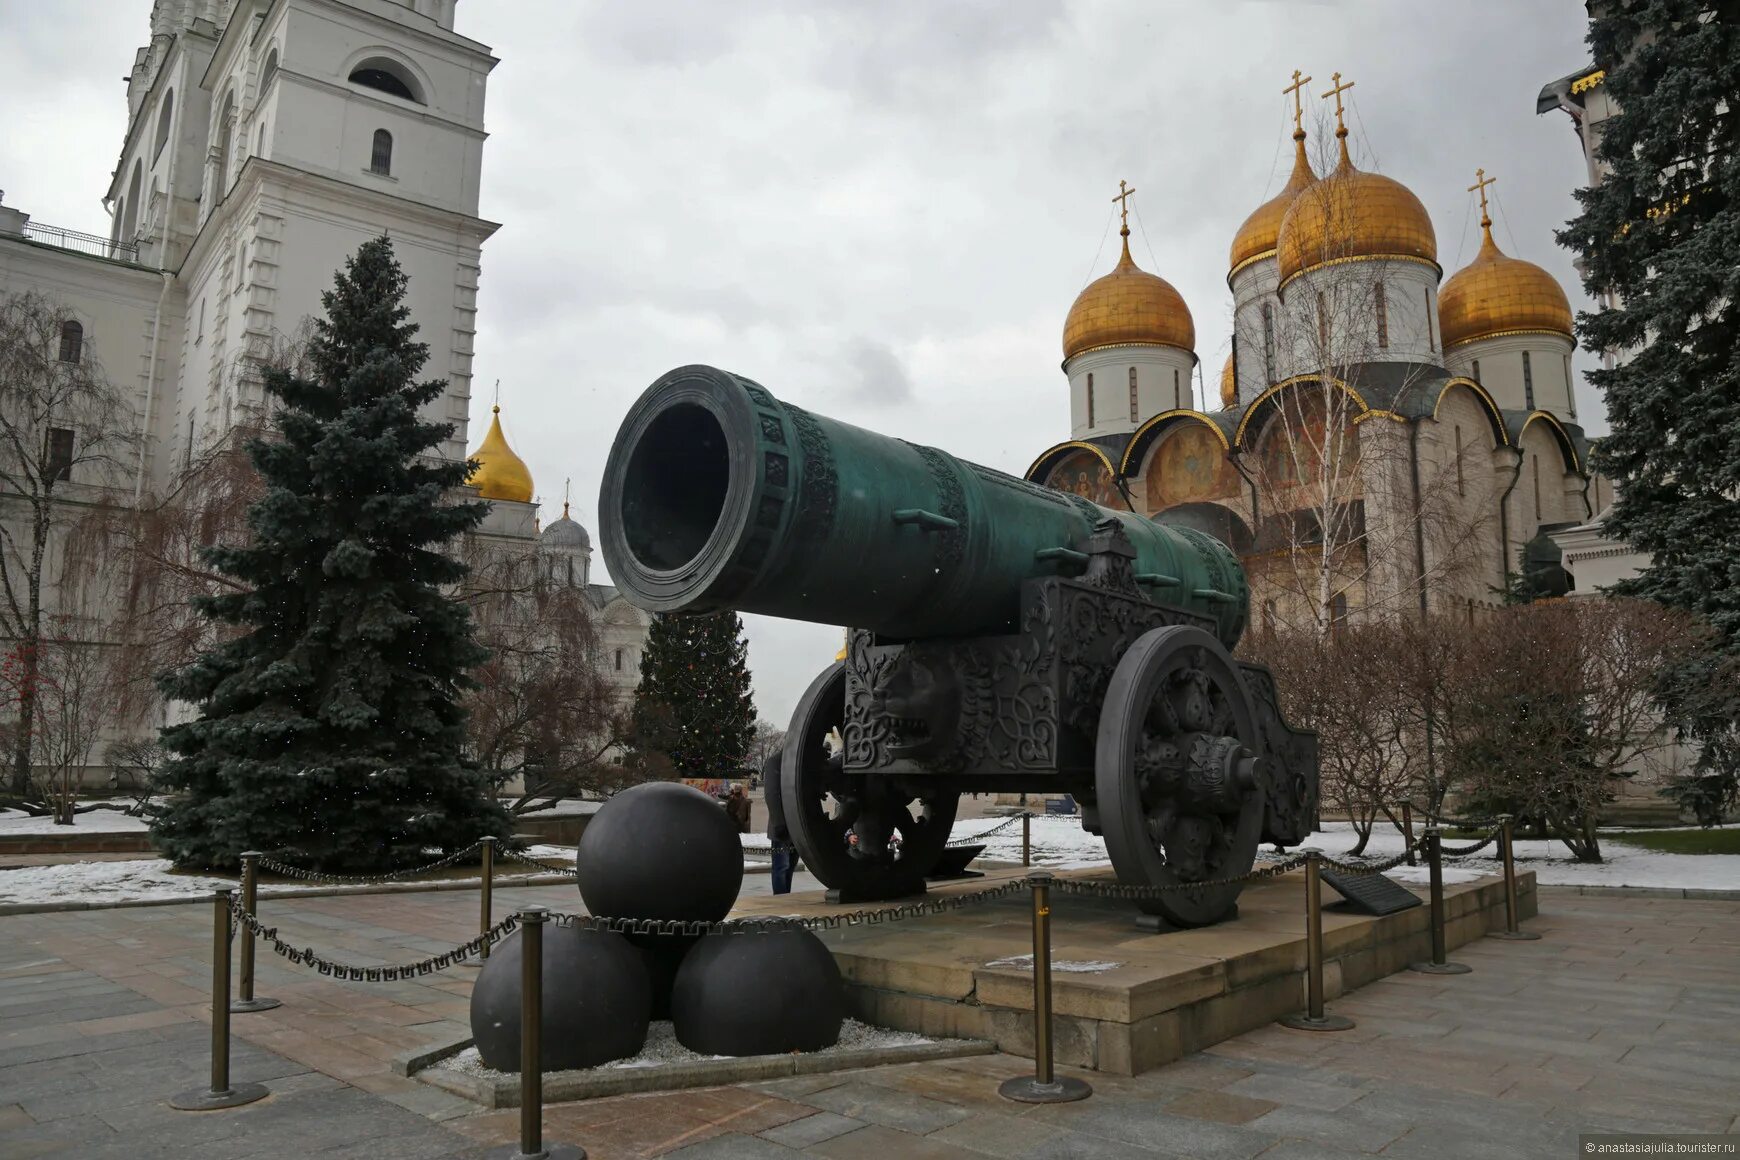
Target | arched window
(387,76)
(1477,371)
(260,141)
(1461,479)
(1090,386)
(1135,415)
(163,119)
(381,157)
(1382,309)
(269,71)
(1269,341)
(1337,610)
(1431,319)
(226,125)
(130,222)
(72,341)
(1528,382)
(1570,394)
(619,660)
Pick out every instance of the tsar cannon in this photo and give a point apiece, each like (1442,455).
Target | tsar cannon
(1004,637)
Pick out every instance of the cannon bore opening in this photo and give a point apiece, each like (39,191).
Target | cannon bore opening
(677,478)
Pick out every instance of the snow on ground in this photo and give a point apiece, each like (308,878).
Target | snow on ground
(148,879)
(1066,966)
(662,1048)
(92,822)
(1553,865)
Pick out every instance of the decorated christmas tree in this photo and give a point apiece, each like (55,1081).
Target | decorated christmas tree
(1659,238)
(329,729)
(693,713)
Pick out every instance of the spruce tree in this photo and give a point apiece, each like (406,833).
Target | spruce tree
(329,728)
(1661,233)
(693,707)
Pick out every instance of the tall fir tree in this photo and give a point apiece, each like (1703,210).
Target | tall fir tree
(329,729)
(1661,234)
(693,707)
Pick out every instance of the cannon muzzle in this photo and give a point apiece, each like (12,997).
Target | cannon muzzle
(718,495)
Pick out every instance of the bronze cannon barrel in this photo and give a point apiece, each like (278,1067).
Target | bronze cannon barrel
(718,495)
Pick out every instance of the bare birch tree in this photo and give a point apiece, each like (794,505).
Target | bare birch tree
(65,433)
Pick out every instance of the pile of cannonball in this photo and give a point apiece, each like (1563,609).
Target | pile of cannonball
(662,851)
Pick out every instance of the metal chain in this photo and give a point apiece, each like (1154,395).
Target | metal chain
(308,957)
(974,838)
(289,871)
(528,860)
(1127,890)
(930,906)
(1465,851)
(1465,823)
(1369,867)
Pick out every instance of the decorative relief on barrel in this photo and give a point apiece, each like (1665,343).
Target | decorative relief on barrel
(819,493)
(952,542)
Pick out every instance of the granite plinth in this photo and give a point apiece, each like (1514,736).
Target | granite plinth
(1125,1001)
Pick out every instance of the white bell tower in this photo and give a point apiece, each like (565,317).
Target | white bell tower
(324,123)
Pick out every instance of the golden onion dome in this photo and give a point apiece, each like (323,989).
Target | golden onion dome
(500,474)
(1498,294)
(1352,214)
(1229,386)
(1128,307)
(1259,235)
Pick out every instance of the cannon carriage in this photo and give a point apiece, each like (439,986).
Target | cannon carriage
(1004,637)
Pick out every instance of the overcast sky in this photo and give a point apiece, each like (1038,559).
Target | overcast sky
(881,211)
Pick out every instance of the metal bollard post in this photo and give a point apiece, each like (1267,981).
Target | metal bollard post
(1408,828)
(488,887)
(531,1145)
(1026,839)
(1507,838)
(1043,1086)
(221,1093)
(1314,1018)
(1438,966)
(245,999)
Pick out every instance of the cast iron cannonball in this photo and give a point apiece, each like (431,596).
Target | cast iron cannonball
(662,956)
(758,994)
(596,1001)
(660,850)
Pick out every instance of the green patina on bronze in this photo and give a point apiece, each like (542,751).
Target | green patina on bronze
(719,495)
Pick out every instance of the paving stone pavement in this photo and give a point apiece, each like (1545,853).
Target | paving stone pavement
(1624,1017)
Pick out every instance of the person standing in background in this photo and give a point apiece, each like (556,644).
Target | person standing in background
(784,855)
(737,808)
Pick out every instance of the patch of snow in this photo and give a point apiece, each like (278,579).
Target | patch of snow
(1422,875)
(91,822)
(1060,843)
(662,1049)
(148,879)
(1025,963)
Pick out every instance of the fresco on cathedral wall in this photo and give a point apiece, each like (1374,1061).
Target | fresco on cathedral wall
(1085,474)
(1190,466)
(1295,436)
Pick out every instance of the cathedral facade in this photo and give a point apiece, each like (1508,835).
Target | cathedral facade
(1385,438)
(266,141)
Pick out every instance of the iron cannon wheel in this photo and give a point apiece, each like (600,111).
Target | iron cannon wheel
(1168,816)
(823,804)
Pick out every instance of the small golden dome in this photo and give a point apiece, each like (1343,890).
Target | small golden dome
(500,474)
(1499,294)
(1352,214)
(1258,236)
(1229,386)
(1129,306)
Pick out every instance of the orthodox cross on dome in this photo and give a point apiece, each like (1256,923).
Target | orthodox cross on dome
(565,485)
(1340,120)
(1123,200)
(1481,181)
(1299,82)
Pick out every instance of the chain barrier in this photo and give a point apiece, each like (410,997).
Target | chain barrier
(289,871)
(1465,851)
(528,860)
(1383,867)
(1485,823)
(1129,891)
(309,957)
(974,839)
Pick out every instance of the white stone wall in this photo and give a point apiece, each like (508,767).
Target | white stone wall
(1546,384)
(1163,383)
(1347,294)
(1260,355)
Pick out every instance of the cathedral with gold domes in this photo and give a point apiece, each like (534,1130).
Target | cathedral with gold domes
(1386,439)
(560,552)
